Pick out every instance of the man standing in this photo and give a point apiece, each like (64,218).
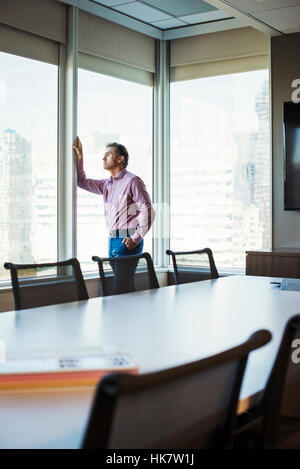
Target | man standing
(129,212)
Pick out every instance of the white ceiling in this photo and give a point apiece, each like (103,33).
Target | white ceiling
(167,14)
(282,15)
(172,19)
(251,6)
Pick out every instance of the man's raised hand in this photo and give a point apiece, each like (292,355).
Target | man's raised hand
(77,146)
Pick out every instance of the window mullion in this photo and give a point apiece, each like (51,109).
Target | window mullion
(67,239)
(162,154)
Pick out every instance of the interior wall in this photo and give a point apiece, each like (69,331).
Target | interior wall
(285,67)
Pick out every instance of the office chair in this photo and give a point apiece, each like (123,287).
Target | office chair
(189,406)
(124,268)
(67,284)
(180,278)
(275,421)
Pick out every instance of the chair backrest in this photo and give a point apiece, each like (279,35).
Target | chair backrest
(281,396)
(64,283)
(190,406)
(124,269)
(181,277)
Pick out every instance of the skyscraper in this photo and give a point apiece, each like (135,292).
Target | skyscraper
(16,221)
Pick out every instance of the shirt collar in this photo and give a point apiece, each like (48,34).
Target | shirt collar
(120,175)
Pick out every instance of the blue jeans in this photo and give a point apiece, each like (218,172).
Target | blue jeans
(123,271)
(117,249)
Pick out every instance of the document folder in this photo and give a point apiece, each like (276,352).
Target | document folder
(47,368)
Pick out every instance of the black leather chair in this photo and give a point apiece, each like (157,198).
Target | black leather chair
(180,277)
(64,283)
(124,268)
(275,421)
(186,407)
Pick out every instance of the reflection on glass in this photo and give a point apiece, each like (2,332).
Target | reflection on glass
(28,161)
(110,110)
(220,166)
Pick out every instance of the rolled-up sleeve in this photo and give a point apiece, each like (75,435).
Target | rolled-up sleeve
(146,216)
(92,185)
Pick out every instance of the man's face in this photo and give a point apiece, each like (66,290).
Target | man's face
(110,160)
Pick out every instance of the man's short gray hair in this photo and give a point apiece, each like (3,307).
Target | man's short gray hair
(120,150)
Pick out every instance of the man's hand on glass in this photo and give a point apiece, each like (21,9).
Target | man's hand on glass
(129,243)
(77,146)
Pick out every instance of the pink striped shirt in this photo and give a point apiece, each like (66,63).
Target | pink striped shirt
(127,204)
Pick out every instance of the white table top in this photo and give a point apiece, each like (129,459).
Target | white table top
(159,328)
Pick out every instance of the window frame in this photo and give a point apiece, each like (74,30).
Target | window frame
(259,66)
(49,58)
(146,82)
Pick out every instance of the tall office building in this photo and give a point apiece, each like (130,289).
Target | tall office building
(262,164)
(16,221)
(252,184)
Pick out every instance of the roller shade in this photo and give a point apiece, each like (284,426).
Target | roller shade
(220,53)
(114,69)
(14,41)
(107,40)
(46,18)
(221,67)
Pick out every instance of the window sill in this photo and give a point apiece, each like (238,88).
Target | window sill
(222,272)
(5,286)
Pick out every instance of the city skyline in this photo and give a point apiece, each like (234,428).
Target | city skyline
(218,205)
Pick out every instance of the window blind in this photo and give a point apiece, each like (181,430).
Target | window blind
(114,69)
(218,53)
(14,41)
(106,40)
(46,18)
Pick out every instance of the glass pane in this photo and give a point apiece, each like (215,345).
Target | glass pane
(220,166)
(28,161)
(110,110)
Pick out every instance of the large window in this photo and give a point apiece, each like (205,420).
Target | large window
(28,161)
(220,166)
(110,110)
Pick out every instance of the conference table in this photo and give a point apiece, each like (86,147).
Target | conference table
(159,328)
